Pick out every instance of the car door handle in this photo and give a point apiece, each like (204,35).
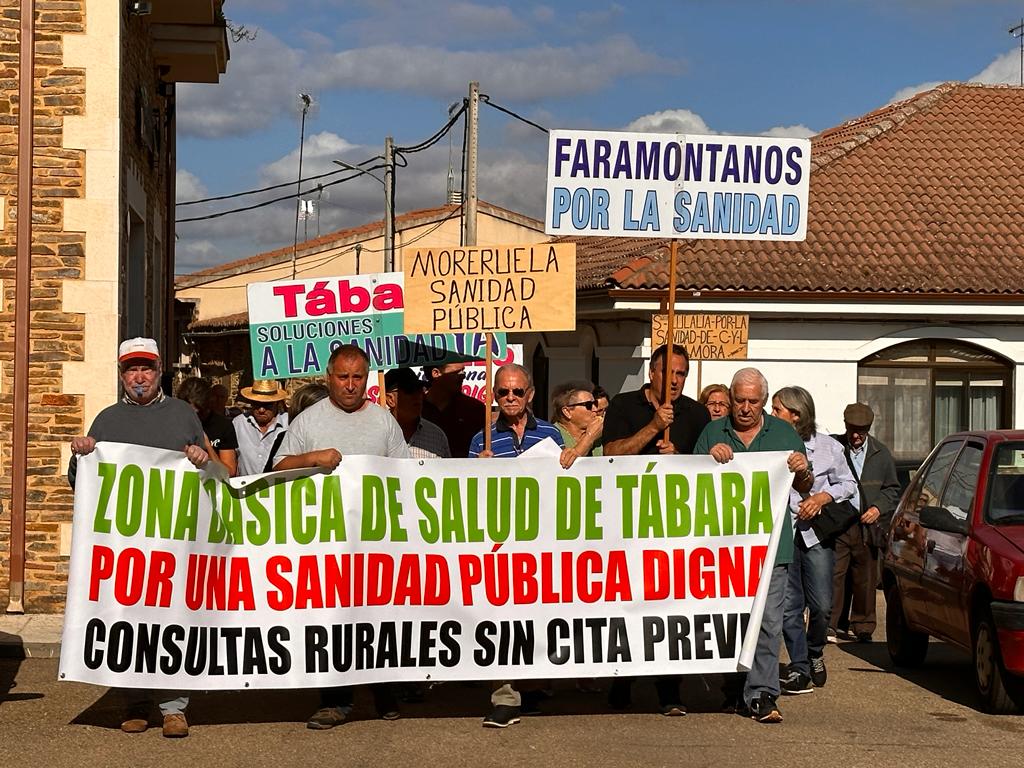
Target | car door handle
(930,547)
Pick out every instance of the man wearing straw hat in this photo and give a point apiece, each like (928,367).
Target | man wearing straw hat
(261,425)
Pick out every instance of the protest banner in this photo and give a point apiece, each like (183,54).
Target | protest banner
(612,183)
(294,325)
(706,337)
(490,288)
(402,569)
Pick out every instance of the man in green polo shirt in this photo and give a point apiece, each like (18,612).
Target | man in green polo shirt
(750,429)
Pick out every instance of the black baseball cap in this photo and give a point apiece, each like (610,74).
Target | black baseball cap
(404,379)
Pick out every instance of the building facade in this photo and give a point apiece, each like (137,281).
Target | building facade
(101,262)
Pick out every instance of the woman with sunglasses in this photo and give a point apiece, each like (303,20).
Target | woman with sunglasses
(574,409)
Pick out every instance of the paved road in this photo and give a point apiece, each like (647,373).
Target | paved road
(867,715)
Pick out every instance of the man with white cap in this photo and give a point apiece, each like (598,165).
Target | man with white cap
(261,426)
(145,416)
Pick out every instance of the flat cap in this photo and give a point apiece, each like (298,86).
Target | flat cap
(858,415)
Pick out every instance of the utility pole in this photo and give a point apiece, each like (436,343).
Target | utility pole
(1018,32)
(389,204)
(469,198)
(306,100)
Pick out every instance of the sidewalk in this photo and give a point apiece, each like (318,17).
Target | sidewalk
(31,636)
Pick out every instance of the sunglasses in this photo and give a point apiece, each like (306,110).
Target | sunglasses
(588,404)
(504,392)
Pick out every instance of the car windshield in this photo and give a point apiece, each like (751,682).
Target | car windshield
(1006,487)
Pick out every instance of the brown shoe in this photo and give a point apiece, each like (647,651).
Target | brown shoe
(175,726)
(135,725)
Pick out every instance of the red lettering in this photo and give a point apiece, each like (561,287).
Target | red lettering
(240,593)
(470,575)
(656,574)
(130,576)
(438,585)
(524,578)
(617,582)
(408,590)
(588,564)
(101,569)
(158,588)
(388,296)
(731,572)
(380,575)
(352,298)
(702,573)
(280,597)
(308,593)
(757,557)
(290,294)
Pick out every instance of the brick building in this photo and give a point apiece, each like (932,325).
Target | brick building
(101,240)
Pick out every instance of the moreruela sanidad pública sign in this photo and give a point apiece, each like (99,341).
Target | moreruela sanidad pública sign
(294,325)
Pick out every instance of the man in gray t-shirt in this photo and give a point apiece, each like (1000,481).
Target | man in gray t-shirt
(344,422)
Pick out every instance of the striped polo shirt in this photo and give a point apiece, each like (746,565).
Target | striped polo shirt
(505,442)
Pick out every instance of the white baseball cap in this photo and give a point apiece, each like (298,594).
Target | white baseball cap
(138,348)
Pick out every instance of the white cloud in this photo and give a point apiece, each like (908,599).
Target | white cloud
(188,186)
(790,132)
(1003,70)
(670,121)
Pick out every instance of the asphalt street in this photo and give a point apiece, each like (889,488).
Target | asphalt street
(866,715)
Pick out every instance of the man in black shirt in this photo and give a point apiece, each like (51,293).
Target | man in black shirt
(635,424)
(636,421)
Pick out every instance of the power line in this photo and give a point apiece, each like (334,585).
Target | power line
(271,187)
(487,100)
(265,203)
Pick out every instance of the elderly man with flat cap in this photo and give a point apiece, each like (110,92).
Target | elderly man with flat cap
(262,425)
(857,549)
(146,416)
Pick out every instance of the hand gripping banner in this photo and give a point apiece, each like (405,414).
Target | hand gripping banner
(392,570)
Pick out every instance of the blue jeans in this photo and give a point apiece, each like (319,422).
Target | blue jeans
(810,586)
(763,676)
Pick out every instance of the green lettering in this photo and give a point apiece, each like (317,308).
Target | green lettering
(257,530)
(160,503)
(760,520)
(186,519)
(332,510)
(452,522)
(627,484)
(425,491)
(568,501)
(303,526)
(130,487)
(374,524)
(706,516)
(499,508)
(678,518)
(107,472)
(527,508)
(734,513)
(218,531)
(473,530)
(592,506)
(398,533)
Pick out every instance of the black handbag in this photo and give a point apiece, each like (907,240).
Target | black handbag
(834,520)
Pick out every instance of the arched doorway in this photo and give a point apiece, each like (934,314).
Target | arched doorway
(923,390)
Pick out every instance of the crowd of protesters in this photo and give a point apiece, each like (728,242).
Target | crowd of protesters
(822,583)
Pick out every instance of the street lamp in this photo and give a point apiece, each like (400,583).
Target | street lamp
(389,196)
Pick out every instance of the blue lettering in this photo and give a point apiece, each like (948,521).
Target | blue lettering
(650,218)
(694,161)
(752,164)
(790,214)
(751,213)
(731,164)
(268,367)
(701,214)
(628,222)
(560,204)
(770,217)
(560,154)
(623,161)
(723,212)
(793,155)
(773,165)
(647,159)
(580,161)
(602,152)
(681,222)
(673,161)
(580,208)
(599,209)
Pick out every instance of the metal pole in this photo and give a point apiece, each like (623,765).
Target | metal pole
(298,185)
(22,297)
(469,200)
(666,367)
(389,204)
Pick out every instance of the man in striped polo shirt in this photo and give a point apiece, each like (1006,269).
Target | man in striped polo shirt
(516,429)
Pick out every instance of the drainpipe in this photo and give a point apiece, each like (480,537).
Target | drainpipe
(22,296)
(170,166)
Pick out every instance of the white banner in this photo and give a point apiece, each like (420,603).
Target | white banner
(618,184)
(391,570)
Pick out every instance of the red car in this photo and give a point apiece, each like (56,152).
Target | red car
(954,564)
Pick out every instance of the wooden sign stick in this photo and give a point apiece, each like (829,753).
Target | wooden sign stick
(381,394)
(666,367)
(487,392)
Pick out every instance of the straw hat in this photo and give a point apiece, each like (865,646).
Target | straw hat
(264,391)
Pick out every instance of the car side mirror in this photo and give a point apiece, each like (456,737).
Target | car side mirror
(941,519)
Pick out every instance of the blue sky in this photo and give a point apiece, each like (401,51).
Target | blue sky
(392,67)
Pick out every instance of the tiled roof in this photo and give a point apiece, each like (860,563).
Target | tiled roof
(352,234)
(225,322)
(925,196)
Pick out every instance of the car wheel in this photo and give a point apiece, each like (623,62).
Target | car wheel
(907,647)
(1001,694)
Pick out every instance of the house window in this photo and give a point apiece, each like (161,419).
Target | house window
(923,390)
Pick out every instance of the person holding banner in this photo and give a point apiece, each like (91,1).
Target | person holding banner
(635,424)
(145,416)
(810,574)
(343,422)
(748,428)
(515,431)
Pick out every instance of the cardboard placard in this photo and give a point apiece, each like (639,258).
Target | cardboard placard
(490,288)
(705,336)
